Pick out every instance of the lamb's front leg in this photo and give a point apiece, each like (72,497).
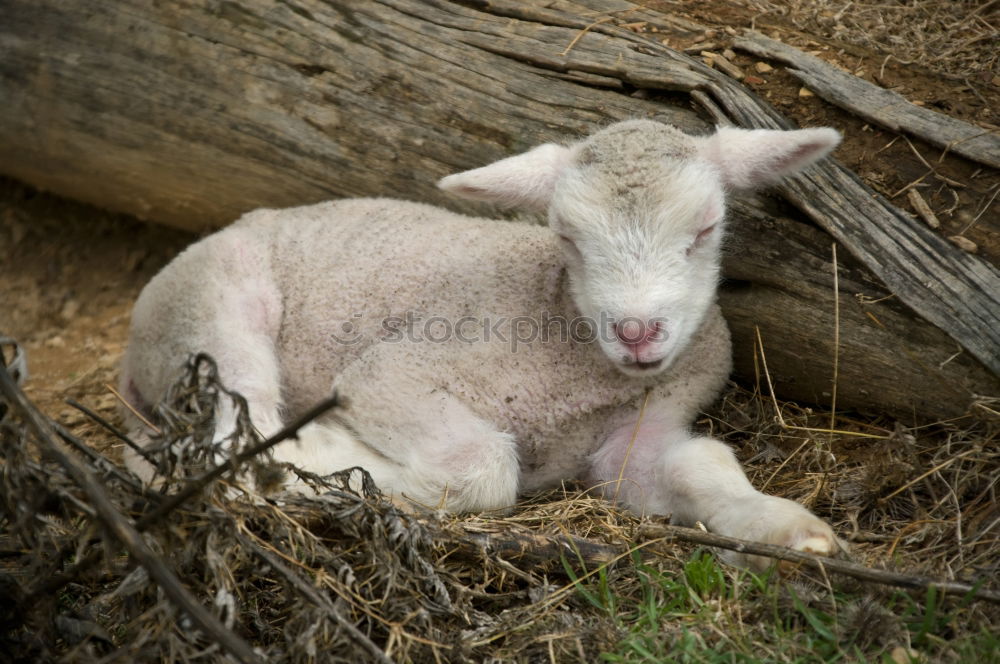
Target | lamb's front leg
(667,471)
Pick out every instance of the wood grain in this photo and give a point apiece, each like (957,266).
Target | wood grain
(876,104)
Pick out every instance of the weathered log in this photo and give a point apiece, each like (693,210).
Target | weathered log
(191,113)
(875,104)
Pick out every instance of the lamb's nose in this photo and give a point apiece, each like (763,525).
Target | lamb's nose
(637,333)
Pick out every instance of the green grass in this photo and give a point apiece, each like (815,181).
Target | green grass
(707,613)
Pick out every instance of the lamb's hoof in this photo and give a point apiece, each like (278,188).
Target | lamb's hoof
(821,544)
(784,523)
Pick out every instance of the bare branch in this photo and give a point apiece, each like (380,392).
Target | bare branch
(120,527)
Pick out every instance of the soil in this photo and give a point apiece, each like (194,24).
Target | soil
(70,273)
(68,278)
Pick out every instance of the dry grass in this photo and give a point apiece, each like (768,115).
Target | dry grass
(925,497)
(347,576)
(957,38)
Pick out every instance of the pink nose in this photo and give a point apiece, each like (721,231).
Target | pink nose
(637,334)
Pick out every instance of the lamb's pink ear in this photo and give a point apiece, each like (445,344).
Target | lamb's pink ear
(525,181)
(751,158)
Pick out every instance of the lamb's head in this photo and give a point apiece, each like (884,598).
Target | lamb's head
(639,209)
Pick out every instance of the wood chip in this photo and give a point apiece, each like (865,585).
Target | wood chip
(762,67)
(806,92)
(964,243)
(722,64)
(753,80)
(729,54)
(638,26)
(924,210)
(700,46)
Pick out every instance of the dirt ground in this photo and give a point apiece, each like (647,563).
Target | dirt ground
(68,278)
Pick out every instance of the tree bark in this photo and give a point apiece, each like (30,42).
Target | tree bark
(192,112)
(875,104)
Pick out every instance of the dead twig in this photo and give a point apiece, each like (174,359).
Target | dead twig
(111,429)
(538,548)
(317,598)
(100,461)
(118,526)
(821,563)
(58,580)
(124,402)
(195,486)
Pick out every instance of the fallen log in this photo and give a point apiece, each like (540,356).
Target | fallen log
(878,105)
(192,113)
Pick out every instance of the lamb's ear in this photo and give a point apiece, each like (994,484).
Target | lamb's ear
(750,158)
(525,181)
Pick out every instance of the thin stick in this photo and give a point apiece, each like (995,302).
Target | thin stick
(767,375)
(913,581)
(320,600)
(553,547)
(132,409)
(535,548)
(102,462)
(628,450)
(196,485)
(587,29)
(112,430)
(118,526)
(836,340)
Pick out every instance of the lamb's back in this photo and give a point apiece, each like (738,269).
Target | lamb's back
(348,269)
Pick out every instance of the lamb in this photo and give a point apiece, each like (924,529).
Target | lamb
(482,359)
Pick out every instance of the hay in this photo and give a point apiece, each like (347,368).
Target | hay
(345,575)
(302,578)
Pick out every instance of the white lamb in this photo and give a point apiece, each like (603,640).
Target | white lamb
(447,334)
